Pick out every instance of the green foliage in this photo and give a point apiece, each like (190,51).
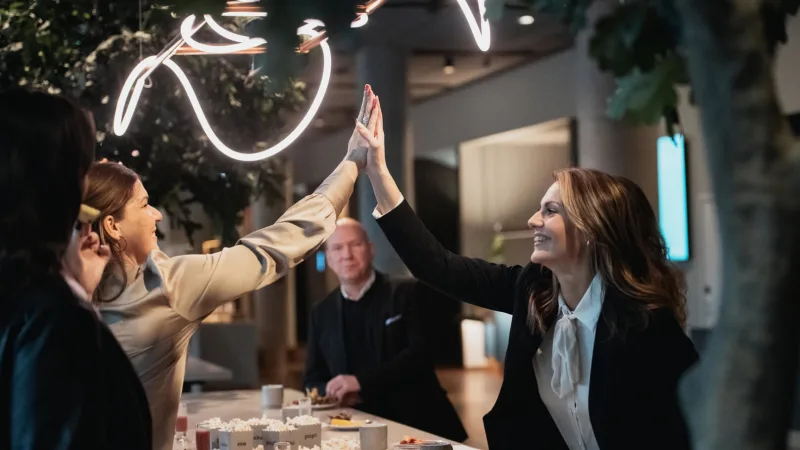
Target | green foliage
(640,44)
(85,50)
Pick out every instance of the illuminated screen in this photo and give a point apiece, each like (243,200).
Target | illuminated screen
(673,202)
(320,261)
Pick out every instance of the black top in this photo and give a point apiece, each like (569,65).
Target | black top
(633,401)
(358,334)
(395,368)
(65,383)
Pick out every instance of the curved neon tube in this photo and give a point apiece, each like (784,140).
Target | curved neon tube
(123,115)
(186,34)
(360,21)
(483,35)
(224,32)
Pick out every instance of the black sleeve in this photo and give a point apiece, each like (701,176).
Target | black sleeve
(672,353)
(406,366)
(475,281)
(55,385)
(317,373)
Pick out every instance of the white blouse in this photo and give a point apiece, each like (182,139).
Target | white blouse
(563,367)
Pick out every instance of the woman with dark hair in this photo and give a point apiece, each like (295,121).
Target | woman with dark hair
(65,383)
(596,345)
(154,303)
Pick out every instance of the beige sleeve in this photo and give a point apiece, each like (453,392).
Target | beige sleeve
(197,284)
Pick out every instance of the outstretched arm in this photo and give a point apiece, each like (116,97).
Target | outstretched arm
(471,280)
(198,284)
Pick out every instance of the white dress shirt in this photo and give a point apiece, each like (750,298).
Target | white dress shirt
(377,215)
(563,367)
(364,289)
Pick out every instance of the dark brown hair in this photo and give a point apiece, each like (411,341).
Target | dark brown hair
(626,249)
(46,146)
(109,187)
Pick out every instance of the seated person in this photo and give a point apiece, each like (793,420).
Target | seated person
(366,345)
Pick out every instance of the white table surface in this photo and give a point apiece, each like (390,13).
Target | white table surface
(229,405)
(198,371)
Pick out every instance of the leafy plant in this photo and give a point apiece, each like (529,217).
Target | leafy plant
(639,43)
(85,50)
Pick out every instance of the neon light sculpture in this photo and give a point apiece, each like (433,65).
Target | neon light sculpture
(185,44)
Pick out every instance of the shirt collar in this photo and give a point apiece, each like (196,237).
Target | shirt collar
(367,285)
(588,309)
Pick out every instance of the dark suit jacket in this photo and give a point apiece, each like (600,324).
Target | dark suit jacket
(632,390)
(65,383)
(404,387)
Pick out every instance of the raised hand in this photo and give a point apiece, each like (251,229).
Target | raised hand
(86,258)
(374,136)
(358,148)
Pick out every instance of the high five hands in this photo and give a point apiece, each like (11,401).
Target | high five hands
(366,147)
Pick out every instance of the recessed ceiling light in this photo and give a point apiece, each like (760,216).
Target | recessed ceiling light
(449,65)
(526,20)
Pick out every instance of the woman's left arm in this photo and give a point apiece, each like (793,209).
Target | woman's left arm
(197,284)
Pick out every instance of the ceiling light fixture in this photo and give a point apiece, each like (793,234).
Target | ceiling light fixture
(185,44)
(132,89)
(527,19)
(482,34)
(449,65)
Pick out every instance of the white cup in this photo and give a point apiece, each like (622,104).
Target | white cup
(373,436)
(272,396)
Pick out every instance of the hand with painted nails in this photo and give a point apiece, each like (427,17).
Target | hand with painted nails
(358,148)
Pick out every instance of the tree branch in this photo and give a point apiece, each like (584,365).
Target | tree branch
(742,394)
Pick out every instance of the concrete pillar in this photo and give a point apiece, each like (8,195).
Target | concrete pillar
(273,306)
(603,143)
(385,69)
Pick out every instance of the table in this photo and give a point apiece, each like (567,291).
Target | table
(247,404)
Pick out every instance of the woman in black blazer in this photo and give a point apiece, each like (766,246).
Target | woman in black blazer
(596,346)
(65,383)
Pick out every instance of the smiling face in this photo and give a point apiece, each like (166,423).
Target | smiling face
(557,241)
(137,227)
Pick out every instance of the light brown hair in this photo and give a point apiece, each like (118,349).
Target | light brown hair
(626,249)
(109,187)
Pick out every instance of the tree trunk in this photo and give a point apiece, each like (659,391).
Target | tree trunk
(741,395)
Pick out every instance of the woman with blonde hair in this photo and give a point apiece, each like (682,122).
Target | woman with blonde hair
(596,345)
(154,303)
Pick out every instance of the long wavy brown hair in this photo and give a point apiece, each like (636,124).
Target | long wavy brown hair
(625,247)
(109,187)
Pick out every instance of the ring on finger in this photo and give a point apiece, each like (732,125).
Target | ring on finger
(365,120)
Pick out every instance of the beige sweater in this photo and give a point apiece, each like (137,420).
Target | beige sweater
(167,298)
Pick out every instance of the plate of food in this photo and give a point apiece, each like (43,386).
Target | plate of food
(319,402)
(426,444)
(343,421)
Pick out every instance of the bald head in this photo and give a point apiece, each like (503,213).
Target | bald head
(349,251)
(349,225)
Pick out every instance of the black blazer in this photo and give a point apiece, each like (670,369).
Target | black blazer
(404,387)
(65,383)
(632,390)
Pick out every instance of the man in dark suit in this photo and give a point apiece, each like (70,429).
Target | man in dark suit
(366,342)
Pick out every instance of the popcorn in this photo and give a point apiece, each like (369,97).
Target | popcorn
(214,422)
(303,420)
(236,426)
(312,448)
(279,426)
